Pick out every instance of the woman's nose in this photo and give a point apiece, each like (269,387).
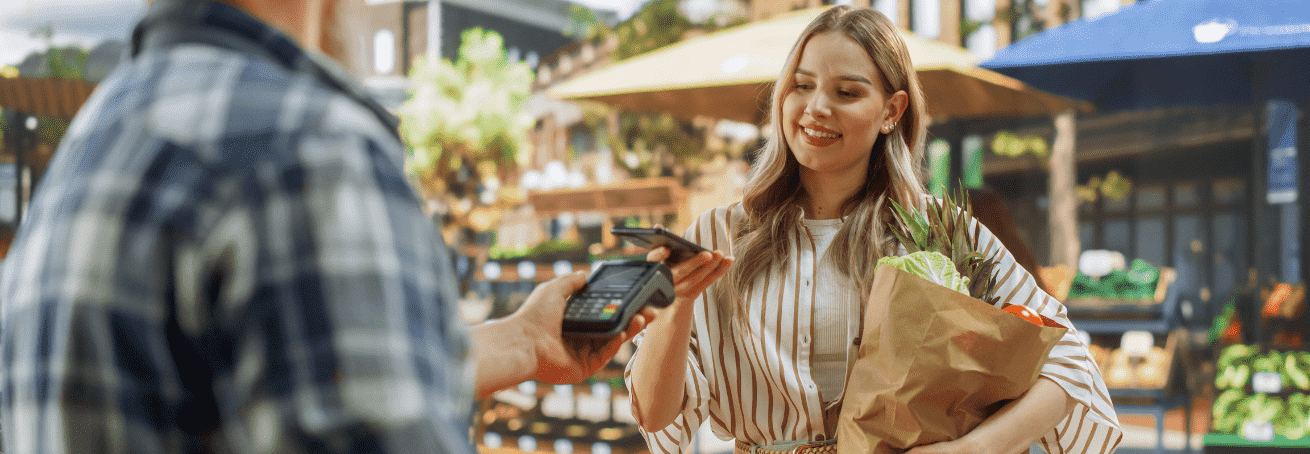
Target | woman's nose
(818,106)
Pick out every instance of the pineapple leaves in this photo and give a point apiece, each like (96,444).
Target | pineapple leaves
(943,227)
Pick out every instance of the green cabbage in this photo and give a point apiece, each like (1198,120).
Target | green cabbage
(930,265)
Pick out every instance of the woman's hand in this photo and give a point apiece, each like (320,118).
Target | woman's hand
(693,276)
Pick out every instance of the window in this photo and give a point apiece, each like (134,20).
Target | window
(1096,8)
(1229,191)
(926,18)
(1023,18)
(1151,197)
(888,8)
(384,51)
(1187,194)
(976,30)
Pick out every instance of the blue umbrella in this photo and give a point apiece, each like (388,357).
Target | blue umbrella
(1171,52)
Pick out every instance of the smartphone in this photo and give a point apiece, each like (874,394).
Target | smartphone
(614,294)
(679,248)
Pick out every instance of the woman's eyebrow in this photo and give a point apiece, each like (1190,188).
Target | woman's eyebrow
(850,77)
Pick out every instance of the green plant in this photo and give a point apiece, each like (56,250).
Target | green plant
(657,24)
(464,123)
(1113,186)
(967,27)
(1009,144)
(583,24)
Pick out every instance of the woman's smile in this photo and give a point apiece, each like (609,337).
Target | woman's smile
(820,136)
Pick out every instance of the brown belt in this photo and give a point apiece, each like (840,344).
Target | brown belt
(811,447)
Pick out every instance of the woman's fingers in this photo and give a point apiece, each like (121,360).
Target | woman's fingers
(693,279)
(691,266)
(658,254)
(704,276)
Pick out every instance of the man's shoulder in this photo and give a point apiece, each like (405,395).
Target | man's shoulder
(205,95)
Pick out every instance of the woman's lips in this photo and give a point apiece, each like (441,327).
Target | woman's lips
(819,137)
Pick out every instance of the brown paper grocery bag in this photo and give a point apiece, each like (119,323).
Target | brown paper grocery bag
(933,364)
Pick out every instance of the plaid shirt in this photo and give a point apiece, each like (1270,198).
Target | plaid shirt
(225,256)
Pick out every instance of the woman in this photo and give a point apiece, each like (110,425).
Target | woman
(766,349)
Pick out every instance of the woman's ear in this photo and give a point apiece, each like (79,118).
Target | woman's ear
(896,105)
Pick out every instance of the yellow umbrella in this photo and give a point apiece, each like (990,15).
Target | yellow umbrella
(727,75)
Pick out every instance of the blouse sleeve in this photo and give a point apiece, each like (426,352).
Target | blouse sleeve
(1093,425)
(677,436)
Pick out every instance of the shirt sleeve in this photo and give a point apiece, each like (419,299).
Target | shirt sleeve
(677,437)
(338,302)
(1093,425)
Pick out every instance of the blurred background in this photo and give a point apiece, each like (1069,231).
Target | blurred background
(1139,157)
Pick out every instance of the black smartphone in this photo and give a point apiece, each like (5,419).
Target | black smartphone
(679,248)
(614,294)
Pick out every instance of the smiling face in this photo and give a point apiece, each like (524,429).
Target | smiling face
(836,108)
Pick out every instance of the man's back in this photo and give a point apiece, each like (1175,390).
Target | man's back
(224,255)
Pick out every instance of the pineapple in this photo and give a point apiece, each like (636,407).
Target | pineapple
(945,229)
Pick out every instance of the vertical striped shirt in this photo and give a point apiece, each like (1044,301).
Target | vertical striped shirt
(754,381)
(224,255)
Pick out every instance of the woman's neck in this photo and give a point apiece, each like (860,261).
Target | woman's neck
(825,193)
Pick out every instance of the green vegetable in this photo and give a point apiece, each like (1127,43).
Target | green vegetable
(1234,366)
(1235,354)
(1264,408)
(1225,403)
(931,265)
(1220,322)
(1232,419)
(1294,373)
(1233,377)
(1295,421)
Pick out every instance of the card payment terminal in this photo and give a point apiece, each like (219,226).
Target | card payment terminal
(614,293)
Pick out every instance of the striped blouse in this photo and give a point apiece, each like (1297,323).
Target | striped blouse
(755,383)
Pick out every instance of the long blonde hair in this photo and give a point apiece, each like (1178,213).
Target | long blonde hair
(773,191)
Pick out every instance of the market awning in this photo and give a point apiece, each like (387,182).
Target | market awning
(44,97)
(727,75)
(1171,52)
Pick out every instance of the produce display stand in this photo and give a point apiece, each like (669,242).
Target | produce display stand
(1258,332)
(589,418)
(1235,444)
(1104,319)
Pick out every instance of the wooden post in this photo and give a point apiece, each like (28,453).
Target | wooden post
(1063,210)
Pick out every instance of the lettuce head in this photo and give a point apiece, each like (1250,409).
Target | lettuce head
(930,265)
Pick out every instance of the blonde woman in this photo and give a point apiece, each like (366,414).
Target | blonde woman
(764,351)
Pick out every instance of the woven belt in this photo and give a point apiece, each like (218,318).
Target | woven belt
(799,447)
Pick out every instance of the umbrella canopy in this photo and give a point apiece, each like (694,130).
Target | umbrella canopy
(1171,52)
(727,75)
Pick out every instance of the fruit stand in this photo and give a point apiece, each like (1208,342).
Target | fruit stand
(1134,331)
(1262,374)
(593,417)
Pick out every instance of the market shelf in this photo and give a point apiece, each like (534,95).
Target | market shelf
(1226,444)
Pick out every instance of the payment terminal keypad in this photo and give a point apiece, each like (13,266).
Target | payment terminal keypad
(595,306)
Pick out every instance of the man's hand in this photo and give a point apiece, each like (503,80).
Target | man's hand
(559,359)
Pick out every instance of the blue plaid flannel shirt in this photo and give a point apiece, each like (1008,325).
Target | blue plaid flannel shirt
(224,255)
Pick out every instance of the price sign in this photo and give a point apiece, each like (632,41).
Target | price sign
(1137,343)
(1267,382)
(1258,431)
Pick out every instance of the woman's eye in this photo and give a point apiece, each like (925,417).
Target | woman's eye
(803,86)
(846,94)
